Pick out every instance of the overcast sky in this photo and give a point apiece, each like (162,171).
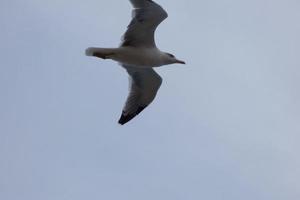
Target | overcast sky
(223,127)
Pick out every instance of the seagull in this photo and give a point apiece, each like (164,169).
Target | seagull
(138,54)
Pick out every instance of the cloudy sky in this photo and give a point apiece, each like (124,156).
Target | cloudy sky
(223,127)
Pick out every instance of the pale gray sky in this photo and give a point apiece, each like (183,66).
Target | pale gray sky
(223,127)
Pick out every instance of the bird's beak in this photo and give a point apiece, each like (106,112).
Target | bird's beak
(180,62)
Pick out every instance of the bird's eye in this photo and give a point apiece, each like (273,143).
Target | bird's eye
(171,55)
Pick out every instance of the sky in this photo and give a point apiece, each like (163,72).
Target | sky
(223,127)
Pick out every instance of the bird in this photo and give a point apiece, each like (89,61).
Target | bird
(138,55)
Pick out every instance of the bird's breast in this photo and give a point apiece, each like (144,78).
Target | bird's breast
(140,57)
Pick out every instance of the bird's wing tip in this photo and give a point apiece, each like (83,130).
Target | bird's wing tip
(126,118)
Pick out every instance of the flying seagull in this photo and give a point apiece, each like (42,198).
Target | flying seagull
(138,54)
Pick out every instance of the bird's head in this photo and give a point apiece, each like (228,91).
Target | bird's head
(171,59)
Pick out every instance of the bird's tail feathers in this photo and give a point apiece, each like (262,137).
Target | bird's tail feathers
(103,53)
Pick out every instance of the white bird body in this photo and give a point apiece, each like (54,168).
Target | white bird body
(138,54)
(139,57)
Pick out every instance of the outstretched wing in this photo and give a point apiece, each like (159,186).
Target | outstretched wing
(144,84)
(146,16)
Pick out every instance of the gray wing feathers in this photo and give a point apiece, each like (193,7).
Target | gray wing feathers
(146,16)
(141,3)
(144,84)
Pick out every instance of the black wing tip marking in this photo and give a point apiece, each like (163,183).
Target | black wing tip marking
(126,118)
